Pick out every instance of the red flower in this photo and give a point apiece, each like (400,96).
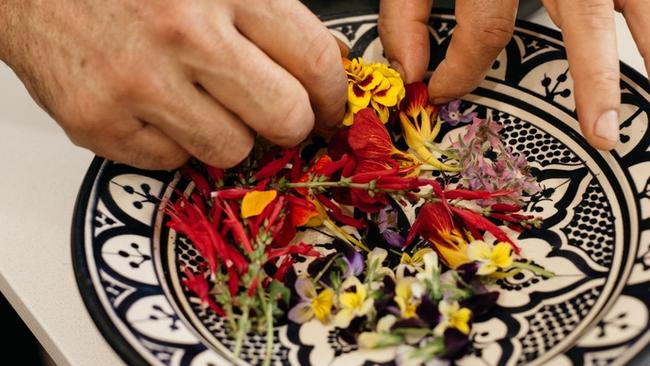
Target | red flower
(198,284)
(372,146)
(477,224)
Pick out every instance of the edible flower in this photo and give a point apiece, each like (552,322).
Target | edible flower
(490,258)
(255,202)
(452,316)
(371,85)
(312,304)
(434,223)
(353,302)
(408,292)
(421,125)
(452,115)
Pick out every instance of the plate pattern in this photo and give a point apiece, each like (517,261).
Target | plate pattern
(596,234)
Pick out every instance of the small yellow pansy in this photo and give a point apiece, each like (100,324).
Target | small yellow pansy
(321,305)
(406,298)
(491,258)
(453,316)
(353,302)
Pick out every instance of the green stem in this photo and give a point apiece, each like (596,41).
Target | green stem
(327,266)
(533,268)
(269,334)
(241,331)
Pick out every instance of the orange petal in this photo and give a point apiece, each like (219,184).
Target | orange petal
(255,202)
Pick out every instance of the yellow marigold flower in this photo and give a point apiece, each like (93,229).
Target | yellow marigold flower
(371,85)
(421,125)
(491,258)
(453,316)
(255,202)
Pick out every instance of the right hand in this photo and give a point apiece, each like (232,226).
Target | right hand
(150,83)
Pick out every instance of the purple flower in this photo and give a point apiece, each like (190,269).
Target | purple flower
(487,164)
(451,114)
(393,238)
(355,263)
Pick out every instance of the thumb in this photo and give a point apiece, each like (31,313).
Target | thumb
(405,35)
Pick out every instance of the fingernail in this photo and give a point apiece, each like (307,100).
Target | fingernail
(607,126)
(399,68)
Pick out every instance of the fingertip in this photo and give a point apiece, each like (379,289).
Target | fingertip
(445,86)
(603,132)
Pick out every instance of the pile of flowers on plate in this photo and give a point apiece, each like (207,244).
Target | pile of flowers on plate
(418,233)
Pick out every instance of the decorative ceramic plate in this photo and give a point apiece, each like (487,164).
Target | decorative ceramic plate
(596,236)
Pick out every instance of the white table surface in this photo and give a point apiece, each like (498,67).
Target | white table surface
(41,174)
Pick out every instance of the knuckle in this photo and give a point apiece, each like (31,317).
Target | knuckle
(322,55)
(599,14)
(140,84)
(172,22)
(168,159)
(496,32)
(231,150)
(294,125)
(601,80)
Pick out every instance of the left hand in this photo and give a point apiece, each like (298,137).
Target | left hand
(484,28)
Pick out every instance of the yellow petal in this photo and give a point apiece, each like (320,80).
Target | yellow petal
(502,255)
(255,202)
(322,304)
(350,300)
(454,257)
(360,100)
(479,250)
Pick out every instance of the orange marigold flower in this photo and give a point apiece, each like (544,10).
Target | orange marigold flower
(371,85)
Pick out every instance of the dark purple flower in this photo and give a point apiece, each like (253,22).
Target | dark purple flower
(393,238)
(467,271)
(451,114)
(481,304)
(428,312)
(456,344)
(409,323)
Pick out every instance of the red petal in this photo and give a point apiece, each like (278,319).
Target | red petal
(199,180)
(369,138)
(475,221)
(417,95)
(275,166)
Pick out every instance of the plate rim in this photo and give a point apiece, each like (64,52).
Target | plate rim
(82,274)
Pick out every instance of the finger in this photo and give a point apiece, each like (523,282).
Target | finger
(343,48)
(200,125)
(405,35)
(256,89)
(483,29)
(302,45)
(589,35)
(134,143)
(551,9)
(636,13)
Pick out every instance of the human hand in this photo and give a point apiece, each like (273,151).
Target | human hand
(150,83)
(484,27)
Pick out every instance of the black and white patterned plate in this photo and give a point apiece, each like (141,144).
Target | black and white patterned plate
(596,235)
